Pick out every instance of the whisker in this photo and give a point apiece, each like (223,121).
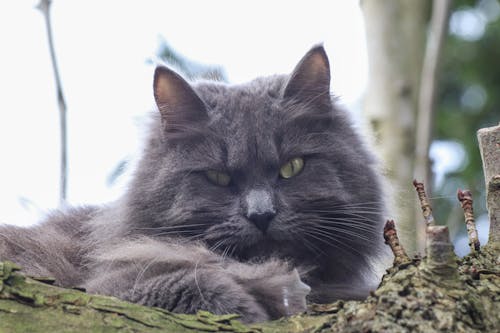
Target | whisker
(226,251)
(334,204)
(354,224)
(344,209)
(311,246)
(174,226)
(340,230)
(175,232)
(341,226)
(348,215)
(321,237)
(141,274)
(217,245)
(350,221)
(313,235)
(235,246)
(181,239)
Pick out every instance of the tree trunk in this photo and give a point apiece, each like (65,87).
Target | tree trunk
(395,33)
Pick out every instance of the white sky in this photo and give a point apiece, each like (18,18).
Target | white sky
(102,47)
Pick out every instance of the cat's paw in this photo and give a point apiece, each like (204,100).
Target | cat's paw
(212,290)
(285,295)
(294,294)
(278,289)
(267,291)
(220,293)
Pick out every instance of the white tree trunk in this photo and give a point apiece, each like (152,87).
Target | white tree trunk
(395,32)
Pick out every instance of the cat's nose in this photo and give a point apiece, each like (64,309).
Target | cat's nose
(262,220)
(260,208)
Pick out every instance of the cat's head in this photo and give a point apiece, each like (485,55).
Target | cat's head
(263,168)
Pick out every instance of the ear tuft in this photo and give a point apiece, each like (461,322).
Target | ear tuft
(180,107)
(311,77)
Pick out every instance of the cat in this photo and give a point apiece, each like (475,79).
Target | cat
(249,199)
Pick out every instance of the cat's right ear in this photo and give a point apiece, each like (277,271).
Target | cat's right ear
(182,110)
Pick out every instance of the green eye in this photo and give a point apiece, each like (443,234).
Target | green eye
(218,178)
(292,167)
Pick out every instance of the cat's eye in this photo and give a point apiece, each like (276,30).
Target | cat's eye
(218,178)
(292,167)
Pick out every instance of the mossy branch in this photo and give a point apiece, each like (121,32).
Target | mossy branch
(409,298)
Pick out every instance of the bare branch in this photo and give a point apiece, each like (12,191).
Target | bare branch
(391,239)
(465,198)
(428,82)
(424,203)
(44,7)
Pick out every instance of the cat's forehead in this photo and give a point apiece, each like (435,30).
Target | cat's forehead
(246,117)
(240,98)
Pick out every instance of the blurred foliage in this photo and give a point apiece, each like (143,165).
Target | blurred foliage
(190,69)
(468,99)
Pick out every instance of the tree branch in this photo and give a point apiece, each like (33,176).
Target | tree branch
(424,203)
(391,238)
(44,7)
(465,198)
(428,82)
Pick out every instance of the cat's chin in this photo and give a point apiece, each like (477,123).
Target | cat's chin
(265,248)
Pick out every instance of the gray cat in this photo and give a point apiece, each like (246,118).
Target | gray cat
(247,199)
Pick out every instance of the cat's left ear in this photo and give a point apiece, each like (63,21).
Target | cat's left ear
(310,80)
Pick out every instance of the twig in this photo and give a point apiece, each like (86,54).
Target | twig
(44,7)
(424,203)
(465,198)
(391,238)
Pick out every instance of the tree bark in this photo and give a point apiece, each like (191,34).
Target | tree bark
(395,33)
(430,295)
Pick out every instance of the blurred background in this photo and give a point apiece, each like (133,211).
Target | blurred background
(106,51)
